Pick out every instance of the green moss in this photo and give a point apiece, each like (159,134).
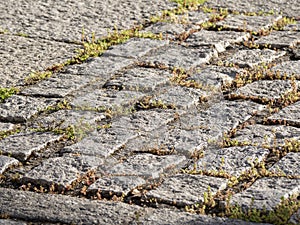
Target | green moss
(7,92)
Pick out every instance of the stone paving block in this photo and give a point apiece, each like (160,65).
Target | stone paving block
(62,171)
(197,17)
(21,108)
(261,135)
(141,79)
(288,69)
(170,140)
(220,117)
(266,192)
(185,189)
(146,165)
(180,56)
(101,67)
(288,165)
(296,52)
(233,161)
(289,114)
(180,97)
(295,218)
(219,39)
(22,145)
(168,30)
(170,216)
(116,185)
(265,89)
(254,57)
(57,86)
(6,162)
(248,23)
(135,48)
(63,119)
(103,99)
(287,7)
(69,22)
(20,56)
(216,75)
(292,27)
(64,209)
(279,39)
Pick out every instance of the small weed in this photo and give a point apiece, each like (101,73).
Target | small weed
(7,92)
(35,77)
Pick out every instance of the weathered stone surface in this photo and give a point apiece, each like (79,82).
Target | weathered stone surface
(76,20)
(63,119)
(57,86)
(140,79)
(295,218)
(216,75)
(6,126)
(62,171)
(266,192)
(135,48)
(146,165)
(11,222)
(102,99)
(196,17)
(116,185)
(288,165)
(180,97)
(186,189)
(248,23)
(21,108)
(64,209)
(20,56)
(220,117)
(288,69)
(101,68)
(254,57)
(265,89)
(296,52)
(262,135)
(280,39)
(168,30)
(6,162)
(219,39)
(287,7)
(233,161)
(170,216)
(22,145)
(289,114)
(180,56)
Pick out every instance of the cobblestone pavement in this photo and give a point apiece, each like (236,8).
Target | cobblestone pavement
(150,112)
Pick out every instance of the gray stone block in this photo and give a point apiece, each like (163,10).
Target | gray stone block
(141,79)
(64,209)
(262,135)
(62,171)
(265,89)
(288,165)
(180,56)
(266,193)
(21,108)
(146,165)
(168,30)
(11,222)
(296,52)
(280,39)
(135,48)
(248,23)
(116,185)
(6,126)
(185,189)
(233,161)
(219,39)
(20,56)
(254,57)
(6,162)
(22,145)
(289,114)
(57,86)
(295,218)
(288,69)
